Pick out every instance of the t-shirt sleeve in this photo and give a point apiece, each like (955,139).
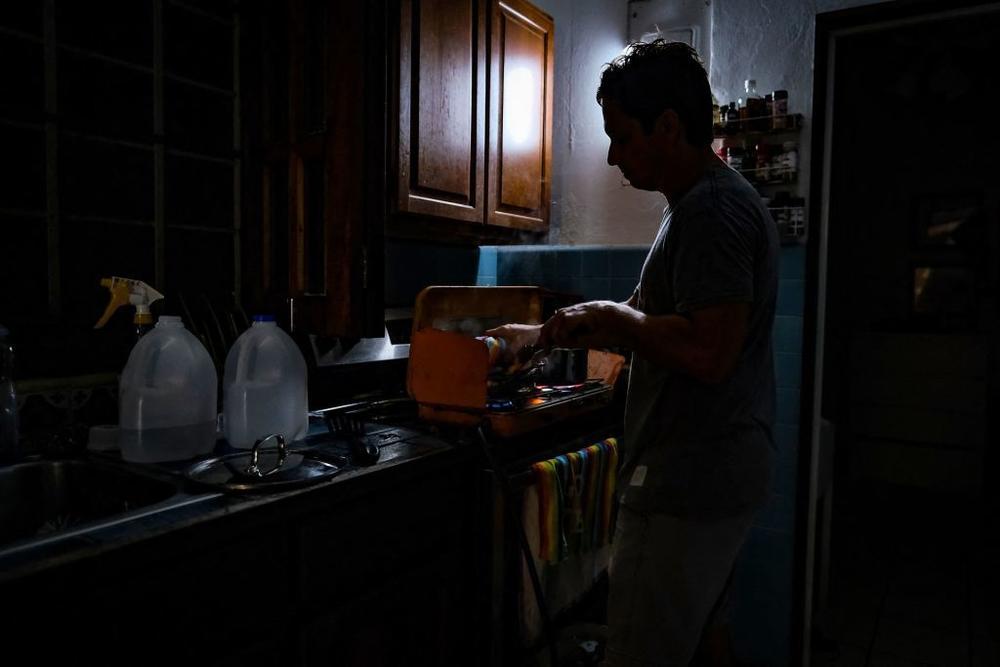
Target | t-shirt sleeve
(713,261)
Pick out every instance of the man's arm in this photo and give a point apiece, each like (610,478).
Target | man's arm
(520,335)
(705,344)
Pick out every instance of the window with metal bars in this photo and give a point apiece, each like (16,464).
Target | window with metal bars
(120,154)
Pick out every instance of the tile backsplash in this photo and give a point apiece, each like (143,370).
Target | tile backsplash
(592,272)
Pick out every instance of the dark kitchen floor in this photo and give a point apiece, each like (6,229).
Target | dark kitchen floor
(914,581)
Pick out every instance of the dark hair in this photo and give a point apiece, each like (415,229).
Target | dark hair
(651,77)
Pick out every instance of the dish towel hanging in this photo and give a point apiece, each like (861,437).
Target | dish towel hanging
(575,496)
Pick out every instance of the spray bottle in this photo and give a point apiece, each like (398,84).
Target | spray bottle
(134,292)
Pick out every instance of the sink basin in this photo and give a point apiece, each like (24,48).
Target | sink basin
(39,499)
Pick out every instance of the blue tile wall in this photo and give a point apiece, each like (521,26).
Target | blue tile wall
(595,262)
(788,333)
(788,370)
(411,265)
(791,296)
(762,611)
(762,588)
(486,272)
(591,272)
(793,263)
(763,578)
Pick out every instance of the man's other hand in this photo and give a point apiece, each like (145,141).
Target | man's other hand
(594,324)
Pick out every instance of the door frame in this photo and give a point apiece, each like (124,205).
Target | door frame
(831,26)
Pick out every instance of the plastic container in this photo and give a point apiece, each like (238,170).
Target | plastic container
(264,387)
(168,397)
(9,449)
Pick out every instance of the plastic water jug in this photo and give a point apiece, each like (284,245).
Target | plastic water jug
(167,399)
(264,386)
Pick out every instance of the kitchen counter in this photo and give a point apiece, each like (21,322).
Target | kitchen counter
(193,505)
(370,565)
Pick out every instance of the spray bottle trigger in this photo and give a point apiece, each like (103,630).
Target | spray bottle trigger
(119,297)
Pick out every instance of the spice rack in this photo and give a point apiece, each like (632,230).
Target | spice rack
(767,157)
(791,221)
(752,125)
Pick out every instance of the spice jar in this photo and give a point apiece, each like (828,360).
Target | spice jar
(735,157)
(756,120)
(732,118)
(779,110)
(762,173)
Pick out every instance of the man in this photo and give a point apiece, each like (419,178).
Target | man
(700,408)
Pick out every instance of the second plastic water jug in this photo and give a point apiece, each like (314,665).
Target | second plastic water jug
(264,386)
(167,401)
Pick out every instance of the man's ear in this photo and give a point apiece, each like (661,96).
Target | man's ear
(668,126)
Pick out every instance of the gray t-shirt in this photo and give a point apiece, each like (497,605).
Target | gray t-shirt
(706,448)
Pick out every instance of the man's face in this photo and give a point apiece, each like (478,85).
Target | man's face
(638,155)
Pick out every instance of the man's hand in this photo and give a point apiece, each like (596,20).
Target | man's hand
(594,324)
(705,343)
(518,336)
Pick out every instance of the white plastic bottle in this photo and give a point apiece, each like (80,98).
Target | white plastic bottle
(167,399)
(264,388)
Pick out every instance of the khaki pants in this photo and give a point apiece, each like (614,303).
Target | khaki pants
(668,577)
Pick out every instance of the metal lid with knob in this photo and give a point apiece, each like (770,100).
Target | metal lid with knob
(261,469)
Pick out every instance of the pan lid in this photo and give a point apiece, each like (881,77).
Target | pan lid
(261,469)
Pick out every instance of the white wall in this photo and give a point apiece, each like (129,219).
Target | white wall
(769,40)
(772,41)
(589,202)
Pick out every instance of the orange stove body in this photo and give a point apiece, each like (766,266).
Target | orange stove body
(448,367)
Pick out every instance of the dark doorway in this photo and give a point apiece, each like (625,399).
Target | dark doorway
(909,334)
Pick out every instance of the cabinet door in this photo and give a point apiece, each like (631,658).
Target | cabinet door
(521,83)
(320,149)
(442,108)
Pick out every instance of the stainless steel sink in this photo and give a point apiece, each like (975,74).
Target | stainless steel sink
(39,499)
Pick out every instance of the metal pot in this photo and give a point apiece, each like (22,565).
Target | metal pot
(565,366)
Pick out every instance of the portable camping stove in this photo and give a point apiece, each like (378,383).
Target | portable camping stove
(448,373)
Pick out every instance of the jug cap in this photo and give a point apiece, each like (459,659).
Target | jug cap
(170,321)
(263,318)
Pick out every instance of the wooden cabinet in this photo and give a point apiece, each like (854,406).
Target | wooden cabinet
(475,112)
(442,108)
(320,173)
(520,159)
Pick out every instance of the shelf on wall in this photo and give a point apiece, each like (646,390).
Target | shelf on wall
(795,122)
(789,176)
(791,227)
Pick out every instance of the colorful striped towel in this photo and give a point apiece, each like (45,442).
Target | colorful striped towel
(575,498)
